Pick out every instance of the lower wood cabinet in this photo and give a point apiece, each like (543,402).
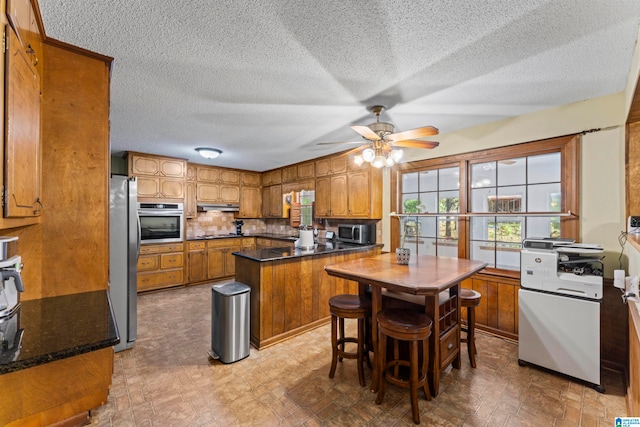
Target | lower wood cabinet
(214,259)
(160,266)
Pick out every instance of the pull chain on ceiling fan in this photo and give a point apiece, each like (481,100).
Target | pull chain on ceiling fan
(382,141)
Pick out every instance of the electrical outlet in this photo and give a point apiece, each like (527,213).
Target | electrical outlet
(633,225)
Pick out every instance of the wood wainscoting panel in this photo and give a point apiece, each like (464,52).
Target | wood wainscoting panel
(633,389)
(632,176)
(48,393)
(290,296)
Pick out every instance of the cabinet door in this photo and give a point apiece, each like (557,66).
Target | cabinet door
(148,262)
(22,139)
(148,186)
(191,173)
(359,194)
(172,168)
(306,170)
(172,188)
(190,207)
(275,201)
(323,197)
(197,265)
(338,196)
(207,192)
(141,165)
(250,202)
(170,261)
(250,179)
(215,263)
(229,177)
(229,193)
(289,173)
(207,174)
(266,202)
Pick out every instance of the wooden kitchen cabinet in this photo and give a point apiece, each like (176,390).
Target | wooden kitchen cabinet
(331,165)
(248,244)
(250,202)
(220,259)
(23,20)
(217,175)
(197,261)
(160,266)
(250,179)
(190,204)
(272,177)
(158,177)
(217,193)
(350,195)
(272,201)
(22,173)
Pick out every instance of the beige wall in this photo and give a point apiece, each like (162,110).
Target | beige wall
(602,160)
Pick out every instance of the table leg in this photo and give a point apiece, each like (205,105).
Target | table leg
(432,309)
(376,306)
(456,290)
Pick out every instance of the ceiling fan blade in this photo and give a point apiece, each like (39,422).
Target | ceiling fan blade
(343,142)
(412,143)
(366,132)
(414,133)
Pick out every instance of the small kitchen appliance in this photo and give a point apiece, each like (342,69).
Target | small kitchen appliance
(362,234)
(10,279)
(238,224)
(306,240)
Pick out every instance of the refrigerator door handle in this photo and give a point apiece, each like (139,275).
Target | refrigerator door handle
(139,239)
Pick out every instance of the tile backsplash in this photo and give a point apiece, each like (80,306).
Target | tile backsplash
(221,223)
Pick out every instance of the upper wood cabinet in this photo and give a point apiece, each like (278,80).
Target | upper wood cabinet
(191,172)
(272,201)
(250,179)
(22,173)
(217,193)
(272,177)
(156,166)
(190,206)
(217,175)
(23,20)
(331,165)
(298,171)
(250,202)
(158,177)
(350,195)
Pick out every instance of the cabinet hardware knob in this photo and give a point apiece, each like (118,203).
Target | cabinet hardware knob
(450,346)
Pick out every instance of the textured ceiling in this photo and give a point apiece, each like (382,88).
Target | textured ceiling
(265,81)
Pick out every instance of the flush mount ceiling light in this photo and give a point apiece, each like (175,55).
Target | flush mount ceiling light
(209,153)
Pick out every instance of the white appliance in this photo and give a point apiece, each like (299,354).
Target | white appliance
(559,307)
(124,249)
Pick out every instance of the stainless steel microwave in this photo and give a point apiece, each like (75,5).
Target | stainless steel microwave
(362,234)
(161,222)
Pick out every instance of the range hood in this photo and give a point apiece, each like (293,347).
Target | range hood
(222,207)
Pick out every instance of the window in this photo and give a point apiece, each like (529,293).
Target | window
(434,191)
(497,198)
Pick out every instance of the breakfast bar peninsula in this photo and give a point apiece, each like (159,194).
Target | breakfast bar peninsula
(289,289)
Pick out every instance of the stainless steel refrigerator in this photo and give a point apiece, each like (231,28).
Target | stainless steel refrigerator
(124,248)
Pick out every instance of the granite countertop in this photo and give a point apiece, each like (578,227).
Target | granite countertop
(322,248)
(54,328)
(287,237)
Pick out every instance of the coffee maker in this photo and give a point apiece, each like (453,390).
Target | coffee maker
(10,279)
(239,225)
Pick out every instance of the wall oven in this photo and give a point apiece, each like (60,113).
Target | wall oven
(161,222)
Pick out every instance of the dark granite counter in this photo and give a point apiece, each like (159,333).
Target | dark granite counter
(49,329)
(287,237)
(322,248)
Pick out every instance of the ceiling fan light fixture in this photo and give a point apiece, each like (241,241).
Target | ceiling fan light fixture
(396,155)
(358,160)
(368,155)
(378,162)
(208,153)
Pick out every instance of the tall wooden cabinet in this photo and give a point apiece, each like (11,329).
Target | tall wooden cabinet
(250,195)
(22,175)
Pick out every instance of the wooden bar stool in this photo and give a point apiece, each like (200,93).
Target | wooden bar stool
(349,307)
(470,299)
(404,325)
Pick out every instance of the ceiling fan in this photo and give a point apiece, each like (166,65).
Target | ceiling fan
(381,141)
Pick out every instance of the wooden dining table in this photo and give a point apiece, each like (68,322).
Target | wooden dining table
(437,279)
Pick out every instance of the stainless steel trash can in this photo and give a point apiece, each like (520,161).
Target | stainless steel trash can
(230,322)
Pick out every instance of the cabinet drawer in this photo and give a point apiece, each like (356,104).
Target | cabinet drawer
(174,277)
(449,344)
(222,243)
(263,242)
(148,281)
(197,245)
(248,241)
(173,260)
(156,249)
(148,262)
